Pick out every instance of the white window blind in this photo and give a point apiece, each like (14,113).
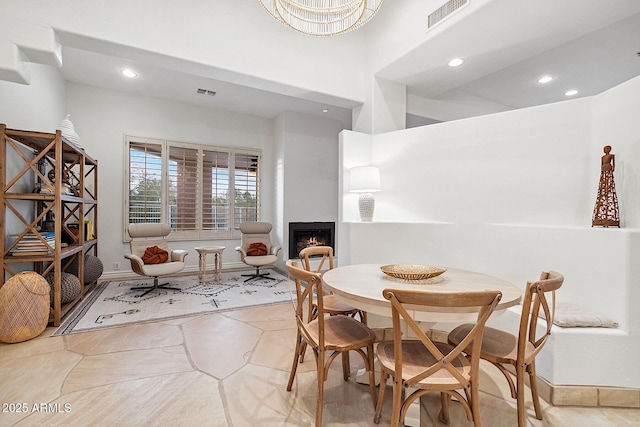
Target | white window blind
(202,191)
(246,188)
(183,188)
(145,182)
(215,196)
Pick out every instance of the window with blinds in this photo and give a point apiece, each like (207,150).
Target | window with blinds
(215,195)
(203,192)
(145,182)
(183,188)
(246,188)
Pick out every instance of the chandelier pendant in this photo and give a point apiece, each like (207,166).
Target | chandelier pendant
(322,17)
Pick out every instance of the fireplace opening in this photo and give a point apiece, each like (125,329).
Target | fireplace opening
(305,234)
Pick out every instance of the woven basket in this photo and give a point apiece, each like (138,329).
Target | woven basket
(411,271)
(24,307)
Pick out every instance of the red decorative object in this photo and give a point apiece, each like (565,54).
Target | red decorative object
(257,249)
(155,255)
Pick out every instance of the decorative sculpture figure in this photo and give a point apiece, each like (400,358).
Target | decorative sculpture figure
(605,212)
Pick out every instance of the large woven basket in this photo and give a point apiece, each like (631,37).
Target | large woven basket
(24,307)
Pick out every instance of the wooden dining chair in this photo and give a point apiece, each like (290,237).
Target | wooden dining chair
(327,336)
(503,349)
(428,366)
(332,304)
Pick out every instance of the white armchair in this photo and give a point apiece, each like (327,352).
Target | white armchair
(251,253)
(148,235)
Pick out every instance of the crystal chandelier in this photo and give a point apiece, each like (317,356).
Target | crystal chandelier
(322,17)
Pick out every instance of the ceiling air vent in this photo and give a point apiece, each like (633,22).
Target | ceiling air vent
(445,10)
(205,92)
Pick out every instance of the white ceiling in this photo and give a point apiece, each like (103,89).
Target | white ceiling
(507,47)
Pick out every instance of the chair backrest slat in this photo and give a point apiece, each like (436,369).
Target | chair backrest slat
(401,299)
(325,251)
(536,305)
(307,284)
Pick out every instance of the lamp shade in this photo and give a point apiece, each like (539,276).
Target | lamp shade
(364,179)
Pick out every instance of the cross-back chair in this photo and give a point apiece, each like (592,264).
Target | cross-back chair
(327,336)
(503,348)
(428,366)
(332,304)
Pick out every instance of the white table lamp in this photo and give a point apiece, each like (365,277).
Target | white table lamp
(365,180)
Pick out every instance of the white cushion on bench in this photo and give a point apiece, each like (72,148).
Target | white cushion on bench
(572,316)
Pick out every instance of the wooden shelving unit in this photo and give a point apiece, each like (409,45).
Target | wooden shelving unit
(44,174)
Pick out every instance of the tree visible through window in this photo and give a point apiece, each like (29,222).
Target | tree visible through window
(201,191)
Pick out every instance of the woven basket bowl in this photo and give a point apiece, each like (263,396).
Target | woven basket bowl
(411,271)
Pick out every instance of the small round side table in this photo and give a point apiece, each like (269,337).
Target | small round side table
(202,252)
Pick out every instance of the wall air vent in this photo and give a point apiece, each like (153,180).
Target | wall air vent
(205,92)
(445,10)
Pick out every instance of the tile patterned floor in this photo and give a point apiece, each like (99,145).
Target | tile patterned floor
(225,369)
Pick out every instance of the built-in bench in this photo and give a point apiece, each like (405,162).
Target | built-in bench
(582,366)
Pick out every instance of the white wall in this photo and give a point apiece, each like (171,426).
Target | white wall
(40,106)
(299,159)
(235,41)
(102,118)
(511,194)
(310,163)
(615,122)
(526,166)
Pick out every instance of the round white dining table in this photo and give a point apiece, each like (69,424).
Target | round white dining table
(361,286)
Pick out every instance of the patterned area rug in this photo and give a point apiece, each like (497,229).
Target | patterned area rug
(112,304)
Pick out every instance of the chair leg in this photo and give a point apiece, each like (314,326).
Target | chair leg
(372,374)
(363,316)
(296,359)
(443,416)
(321,378)
(475,405)
(346,368)
(384,375)
(397,401)
(533,384)
(258,275)
(520,395)
(153,287)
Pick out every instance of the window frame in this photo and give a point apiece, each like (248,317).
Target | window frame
(165,149)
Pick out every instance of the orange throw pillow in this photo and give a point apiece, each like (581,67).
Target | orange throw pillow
(257,249)
(155,255)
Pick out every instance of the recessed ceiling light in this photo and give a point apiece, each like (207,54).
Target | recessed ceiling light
(129,73)
(545,79)
(455,62)
(325,110)
(571,92)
